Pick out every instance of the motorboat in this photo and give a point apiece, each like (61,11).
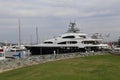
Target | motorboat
(71,41)
(15,51)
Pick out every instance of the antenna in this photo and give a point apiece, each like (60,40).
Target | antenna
(72,28)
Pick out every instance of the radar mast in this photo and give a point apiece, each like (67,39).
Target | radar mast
(72,28)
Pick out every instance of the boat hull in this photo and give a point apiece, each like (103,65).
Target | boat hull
(53,50)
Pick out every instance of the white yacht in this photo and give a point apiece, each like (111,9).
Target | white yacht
(72,41)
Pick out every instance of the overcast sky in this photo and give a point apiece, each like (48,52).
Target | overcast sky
(52,18)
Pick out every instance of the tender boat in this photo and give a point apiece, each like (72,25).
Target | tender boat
(71,41)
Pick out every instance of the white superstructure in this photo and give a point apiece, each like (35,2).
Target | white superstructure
(74,38)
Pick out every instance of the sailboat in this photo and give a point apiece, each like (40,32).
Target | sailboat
(16,50)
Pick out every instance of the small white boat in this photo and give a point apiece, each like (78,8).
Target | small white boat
(115,50)
(15,51)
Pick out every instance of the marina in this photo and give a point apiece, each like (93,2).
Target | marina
(72,41)
(59,39)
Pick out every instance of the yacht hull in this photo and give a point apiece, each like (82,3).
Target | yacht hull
(53,50)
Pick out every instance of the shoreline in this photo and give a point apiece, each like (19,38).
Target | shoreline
(7,65)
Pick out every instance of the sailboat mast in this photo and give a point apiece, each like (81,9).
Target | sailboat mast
(37,35)
(19,28)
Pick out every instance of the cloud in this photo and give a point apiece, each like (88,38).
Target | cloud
(51,15)
(57,8)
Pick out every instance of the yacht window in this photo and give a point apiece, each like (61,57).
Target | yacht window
(90,42)
(73,42)
(1,55)
(68,42)
(82,36)
(62,43)
(68,37)
(48,42)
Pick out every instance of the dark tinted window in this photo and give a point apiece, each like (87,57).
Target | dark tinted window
(69,37)
(62,43)
(73,42)
(69,42)
(83,36)
(90,42)
(48,42)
